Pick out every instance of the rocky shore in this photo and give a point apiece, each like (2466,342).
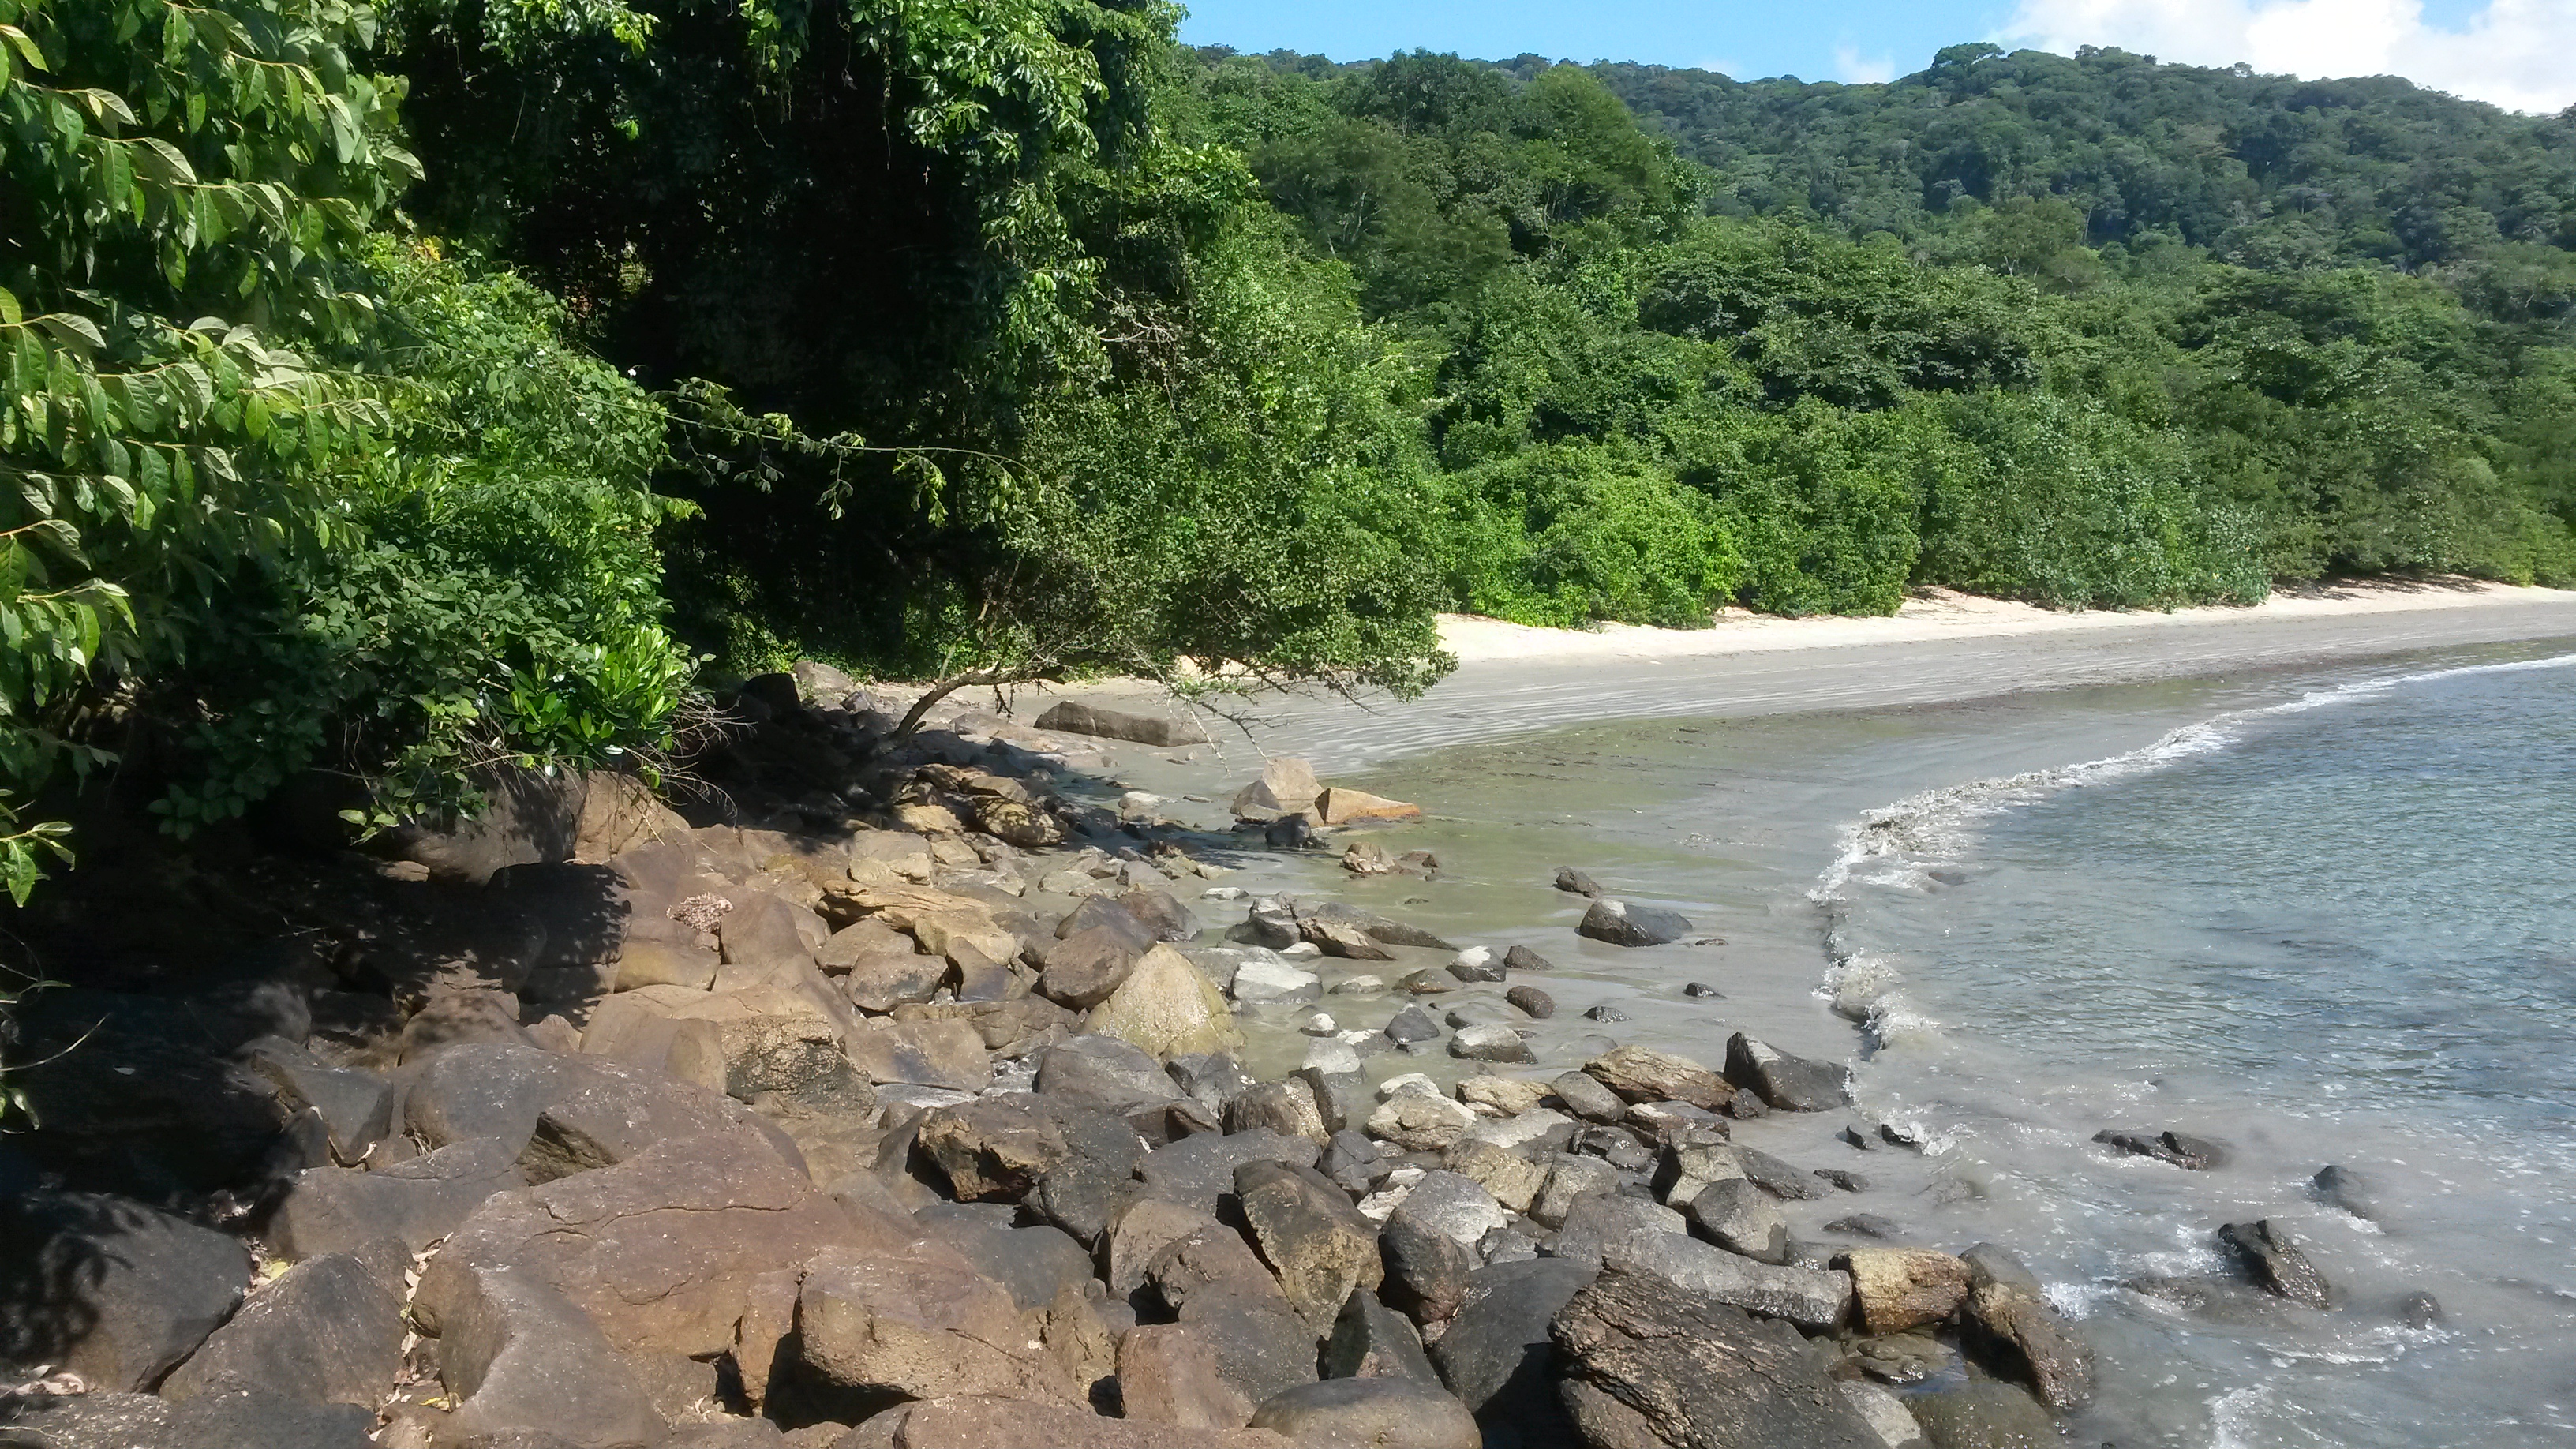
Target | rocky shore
(938,1093)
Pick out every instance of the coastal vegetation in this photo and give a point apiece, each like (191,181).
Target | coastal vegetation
(396,393)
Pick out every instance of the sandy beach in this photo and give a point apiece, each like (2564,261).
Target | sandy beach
(1947,614)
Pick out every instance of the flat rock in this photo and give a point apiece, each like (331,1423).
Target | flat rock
(1643,1074)
(1271,981)
(919,1325)
(1454,1205)
(1811,1299)
(417,1201)
(1741,1218)
(1371,1411)
(1077,717)
(1103,1073)
(1594,1222)
(1341,805)
(1198,1171)
(1576,882)
(519,1358)
(1622,924)
(1647,1363)
(2176,1148)
(1420,1121)
(1496,1042)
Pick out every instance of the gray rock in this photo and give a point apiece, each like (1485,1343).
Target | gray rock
(356,1108)
(1813,1300)
(1522,958)
(1478,963)
(1496,1353)
(1212,1079)
(1426,1269)
(1493,1043)
(1373,1411)
(1781,1179)
(1103,1074)
(1537,1005)
(1585,1097)
(519,1358)
(1287,1108)
(1576,882)
(1614,1145)
(1867,1225)
(1084,968)
(1886,1413)
(1453,1205)
(1642,1075)
(1413,1023)
(1688,1168)
(2356,1192)
(1604,1012)
(1741,1218)
(1162,913)
(1074,717)
(2179,1149)
(1066,1161)
(1371,1340)
(1275,982)
(1569,1179)
(870,1326)
(1341,1092)
(326,1332)
(108,1288)
(1199,1171)
(2273,1259)
(1033,1264)
(1594,1222)
(1233,1303)
(1622,924)
(1647,1363)
(1792,1084)
(419,1201)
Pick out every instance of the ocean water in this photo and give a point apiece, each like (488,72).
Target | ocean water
(2320,915)
(2338,928)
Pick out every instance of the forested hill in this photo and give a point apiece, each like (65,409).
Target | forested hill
(2261,169)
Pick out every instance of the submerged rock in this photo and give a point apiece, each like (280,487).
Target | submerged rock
(2272,1257)
(1622,924)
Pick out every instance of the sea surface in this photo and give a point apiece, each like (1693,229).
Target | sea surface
(2321,915)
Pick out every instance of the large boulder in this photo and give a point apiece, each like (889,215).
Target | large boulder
(1790,1083)
(1066,1161)
(1105,1074)
(519,1358)
(1901,1288)
(1315,1241)
(919,1325)
(1167,1374)
(1286,787)
(1372,1341)
(1811,1299)
(325,1333)
(2019,1334)
(1198,1171)
(1215,1284)
(1341,805)
(1167,1007)
(110,1289)
(1077,717)
(922,1052)
(1647,1363)
(1622,924)
(528,817)
(1496,1353)
(500,1091)
(661,1249)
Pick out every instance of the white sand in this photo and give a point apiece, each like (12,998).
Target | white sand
(1942,614)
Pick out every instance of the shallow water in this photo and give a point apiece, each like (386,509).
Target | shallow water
(2324,915)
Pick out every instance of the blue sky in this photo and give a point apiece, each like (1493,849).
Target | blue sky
(2512,52)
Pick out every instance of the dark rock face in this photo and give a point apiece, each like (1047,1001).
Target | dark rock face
(1741,1218)
(1496,1356)
(1233,1303)
(1161,914)
(1414,1023)
(1532,1002)
(1374,1411)
(2018,1333)
(325,1333)
(224,1421)
(334,1210)
(1372,1341)
(1522,958)
(520,1358)
(501,1090)
(2193,1153)
(1781,1179)
(2272,1257)
(1033,1264)
(1198,1171)
(1576,882)
(1426,1269)
(1622,924)
(1647,1363)
(109,1289)
(1317,1243)
(1792,1084)
(876,1327)
(1478,965)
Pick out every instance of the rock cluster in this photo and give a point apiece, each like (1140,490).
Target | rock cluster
(916,1114)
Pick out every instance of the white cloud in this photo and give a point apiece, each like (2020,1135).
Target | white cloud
(2515,53)
(1855,69)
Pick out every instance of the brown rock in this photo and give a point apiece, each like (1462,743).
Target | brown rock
(1340,805)
(1642,1074)
(648,962)
(924,1053)
(1316,1242)
(1168,1374)
(1902,1288)
(659,1250)
(992,1423)
(920,1324)
(1167,1007)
